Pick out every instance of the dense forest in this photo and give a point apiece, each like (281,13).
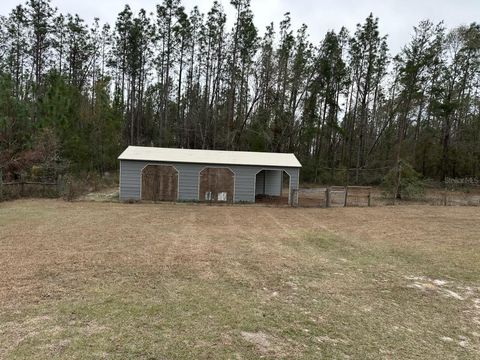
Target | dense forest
(74,94)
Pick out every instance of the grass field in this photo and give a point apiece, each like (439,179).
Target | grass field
(110,280)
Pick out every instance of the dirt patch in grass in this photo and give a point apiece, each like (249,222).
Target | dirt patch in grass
(259,339)
(105,195)
(99,280)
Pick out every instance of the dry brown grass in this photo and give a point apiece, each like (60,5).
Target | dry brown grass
(111,280)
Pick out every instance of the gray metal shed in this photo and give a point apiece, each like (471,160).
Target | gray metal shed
(153,173)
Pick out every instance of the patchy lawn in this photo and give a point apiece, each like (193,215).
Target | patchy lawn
(111,280)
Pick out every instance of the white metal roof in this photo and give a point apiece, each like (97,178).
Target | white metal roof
(209,156)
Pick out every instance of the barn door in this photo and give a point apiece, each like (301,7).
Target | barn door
(159,183)
(216,184)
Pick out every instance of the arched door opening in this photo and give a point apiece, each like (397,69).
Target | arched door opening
(216,185)
(159,183)
(272,187)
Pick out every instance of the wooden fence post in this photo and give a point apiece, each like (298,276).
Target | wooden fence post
(1,185)
(346,197)
(369,198)
(327,197)
(445,198)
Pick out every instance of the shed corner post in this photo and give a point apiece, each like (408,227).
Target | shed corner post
(120,180)
(294,188)
(294,201)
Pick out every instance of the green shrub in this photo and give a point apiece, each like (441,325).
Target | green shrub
(411,184)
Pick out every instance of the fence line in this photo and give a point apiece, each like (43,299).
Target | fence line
(22,183)
(345,192)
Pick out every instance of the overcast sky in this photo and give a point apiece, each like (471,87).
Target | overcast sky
(397,17)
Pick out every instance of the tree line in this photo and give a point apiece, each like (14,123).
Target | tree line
(78,93)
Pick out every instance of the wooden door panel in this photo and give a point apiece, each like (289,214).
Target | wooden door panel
(216,184)
(159,183)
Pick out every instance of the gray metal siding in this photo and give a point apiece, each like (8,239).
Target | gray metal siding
(188,181)
(130,181)
(273,182)
(188,175)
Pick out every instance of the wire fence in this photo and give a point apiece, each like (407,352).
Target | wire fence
(364,196)
(31,188)
(335,196)
(369,186)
